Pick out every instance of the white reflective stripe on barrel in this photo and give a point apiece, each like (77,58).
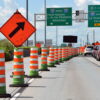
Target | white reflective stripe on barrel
(2,76)
(17,63)
(33,59)
(32,49)
(1,51)
(2,59)
(18,69)
(33,54)
(18,50)
(2,84)
(2,68)
(33,64)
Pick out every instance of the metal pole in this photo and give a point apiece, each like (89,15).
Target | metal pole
(35,32)
(27,16)
(80,42)
(83,42)
(56,36)
(93,36)
(87,39)
(45,22)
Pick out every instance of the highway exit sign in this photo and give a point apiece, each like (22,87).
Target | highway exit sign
(94,16)
(59,16)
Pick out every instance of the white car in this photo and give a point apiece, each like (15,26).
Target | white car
(88,50)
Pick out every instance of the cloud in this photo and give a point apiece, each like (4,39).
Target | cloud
(82,4)
(7,9)
(79,3)
(22,11)
(96,1)
(54,6)
(40,25)
(49,6)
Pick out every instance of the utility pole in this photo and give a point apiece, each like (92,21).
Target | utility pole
(35,32)
(56,36)
(27,16)
(93,36)
(45,36)
(87,39)
(80,42)
(83,43)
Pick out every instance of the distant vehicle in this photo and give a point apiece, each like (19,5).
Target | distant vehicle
(88,50)
(96,52)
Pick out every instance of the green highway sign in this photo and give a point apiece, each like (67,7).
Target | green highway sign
(59,16)
(94,16)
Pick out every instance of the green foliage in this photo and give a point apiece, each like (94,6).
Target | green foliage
(63,45)
(39,51)
(24,47)
(8,48)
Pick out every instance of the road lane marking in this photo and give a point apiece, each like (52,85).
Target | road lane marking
(18,94)
(15,96)
(30,81)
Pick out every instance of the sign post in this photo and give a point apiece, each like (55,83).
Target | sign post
(59,16)
(94,16)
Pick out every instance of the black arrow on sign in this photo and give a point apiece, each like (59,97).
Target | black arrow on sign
(20,26)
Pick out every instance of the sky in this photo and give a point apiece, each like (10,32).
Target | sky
(8,7)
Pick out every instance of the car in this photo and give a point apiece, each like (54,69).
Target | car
(88,50)
(96,52)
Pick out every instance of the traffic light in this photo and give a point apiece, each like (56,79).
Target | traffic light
(77,12)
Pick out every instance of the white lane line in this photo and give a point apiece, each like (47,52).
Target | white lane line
(30,81)
(15,96)
(18,94)
(39,72)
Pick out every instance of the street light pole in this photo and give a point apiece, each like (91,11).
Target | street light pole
(87,39)
(93,36)
(35,32)
(45,22)
(80,42)
(56,36)
(27,16)
(83,42)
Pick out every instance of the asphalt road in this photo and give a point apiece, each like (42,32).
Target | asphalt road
(77,79)
(9,70)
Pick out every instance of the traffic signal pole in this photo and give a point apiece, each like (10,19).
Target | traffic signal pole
(87,39)
(56,36)
(35,32)
(93,36)
(27,16)
(45,31)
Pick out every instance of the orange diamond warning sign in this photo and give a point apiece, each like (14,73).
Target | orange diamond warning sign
(17,29)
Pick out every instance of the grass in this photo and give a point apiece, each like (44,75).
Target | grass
(8,48)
